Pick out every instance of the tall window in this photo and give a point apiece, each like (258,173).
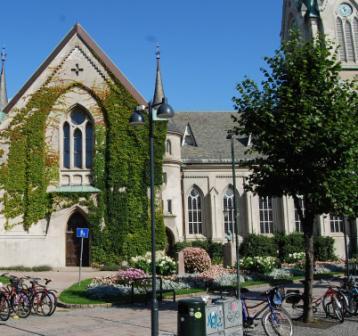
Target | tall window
(347,33)
(78,141)
(195,212)
(229,221)
(168,147)
(266,218)
(298,223)
(337,223)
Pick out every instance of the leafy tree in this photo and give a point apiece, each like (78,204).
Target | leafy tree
(303,122)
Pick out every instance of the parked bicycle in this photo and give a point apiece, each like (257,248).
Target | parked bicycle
(349,288)
(275,321)
(331,301)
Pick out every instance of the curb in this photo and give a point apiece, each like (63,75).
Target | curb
(78,306)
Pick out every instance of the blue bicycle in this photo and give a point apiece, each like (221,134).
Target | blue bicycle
(275,321)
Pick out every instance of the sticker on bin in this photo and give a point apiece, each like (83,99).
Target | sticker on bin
(198,315)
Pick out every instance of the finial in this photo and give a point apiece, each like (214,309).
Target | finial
(3,55)
(157,51)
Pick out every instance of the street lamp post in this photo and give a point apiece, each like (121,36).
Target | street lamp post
(164,111)
(231,137)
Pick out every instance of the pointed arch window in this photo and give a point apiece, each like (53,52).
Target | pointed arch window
(347,34)
(195,212)
(78,142)
(168,147)
(229,219)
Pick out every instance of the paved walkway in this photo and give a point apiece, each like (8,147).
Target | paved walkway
(133,320)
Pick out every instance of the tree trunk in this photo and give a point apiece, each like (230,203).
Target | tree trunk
(308,225)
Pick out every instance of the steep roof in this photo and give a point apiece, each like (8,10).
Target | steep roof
(97,52)
(210,131)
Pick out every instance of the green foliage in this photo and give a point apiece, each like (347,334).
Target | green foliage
(119,214)
(260,264)
(257,245)
(214,249)
(324,248)
(303,119)
(288,244)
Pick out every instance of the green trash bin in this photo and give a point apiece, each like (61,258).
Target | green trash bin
(191,317)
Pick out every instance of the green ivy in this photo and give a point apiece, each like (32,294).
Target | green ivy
(118,215)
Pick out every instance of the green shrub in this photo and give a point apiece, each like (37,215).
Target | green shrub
(110,267)
(289,244)
(216,252)
(257,245)
(324,248)
(260,264)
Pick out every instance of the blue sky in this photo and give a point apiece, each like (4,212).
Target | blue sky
(207,46)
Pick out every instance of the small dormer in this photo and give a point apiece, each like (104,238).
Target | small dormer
(188,138)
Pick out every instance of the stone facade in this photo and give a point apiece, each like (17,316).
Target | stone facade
(197,191)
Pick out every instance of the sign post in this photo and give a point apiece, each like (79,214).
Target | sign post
(83,234)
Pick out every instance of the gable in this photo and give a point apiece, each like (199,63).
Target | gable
(76,59)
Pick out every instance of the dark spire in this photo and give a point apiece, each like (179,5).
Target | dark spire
(3,93)
(159,91)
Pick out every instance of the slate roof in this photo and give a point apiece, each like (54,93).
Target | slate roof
(210,131)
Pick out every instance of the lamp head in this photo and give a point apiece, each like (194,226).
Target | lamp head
(165,111)
(136,118)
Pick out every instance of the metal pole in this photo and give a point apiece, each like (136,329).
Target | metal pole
(154,310)
(346,245)
(80,270)
(235,218)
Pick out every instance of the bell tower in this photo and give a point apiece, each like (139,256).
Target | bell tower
(337,19)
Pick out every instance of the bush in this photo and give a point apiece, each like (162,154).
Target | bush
(165,265)
(256,245)
(258,264)
(324,248)
(214,249)
(196,259)
(289,244)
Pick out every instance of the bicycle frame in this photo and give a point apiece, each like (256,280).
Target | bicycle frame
(246,317)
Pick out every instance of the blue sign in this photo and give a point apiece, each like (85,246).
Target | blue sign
(82,232)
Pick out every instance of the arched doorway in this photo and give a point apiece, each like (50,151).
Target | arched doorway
(73,244)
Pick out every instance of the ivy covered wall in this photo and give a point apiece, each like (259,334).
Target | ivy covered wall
(119,213)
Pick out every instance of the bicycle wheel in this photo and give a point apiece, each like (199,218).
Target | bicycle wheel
(42,304)
(21,305)
(333,307)
(277,322)
(293,305)
(53,298)
(5,309)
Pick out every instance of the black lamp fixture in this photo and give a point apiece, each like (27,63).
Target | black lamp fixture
(163,111)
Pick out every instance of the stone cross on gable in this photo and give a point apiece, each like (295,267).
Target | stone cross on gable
(77,69)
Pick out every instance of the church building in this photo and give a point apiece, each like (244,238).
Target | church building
(55,129)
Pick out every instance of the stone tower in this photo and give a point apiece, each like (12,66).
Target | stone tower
(337,19)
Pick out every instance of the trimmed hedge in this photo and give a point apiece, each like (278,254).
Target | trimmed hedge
(282,245)
(257,245)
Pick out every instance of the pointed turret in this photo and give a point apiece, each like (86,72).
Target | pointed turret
(159,91)
(3,93)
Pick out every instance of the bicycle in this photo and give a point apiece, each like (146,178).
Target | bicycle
(349,289)
(331,300)
(275,321)
(19,301)
(5,309)
(43,300)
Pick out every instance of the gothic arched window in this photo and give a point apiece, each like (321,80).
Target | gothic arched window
(78,139)
(229,219)
(347,32)
(195,212)
(168,147)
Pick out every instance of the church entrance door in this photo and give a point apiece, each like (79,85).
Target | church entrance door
(73,244)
